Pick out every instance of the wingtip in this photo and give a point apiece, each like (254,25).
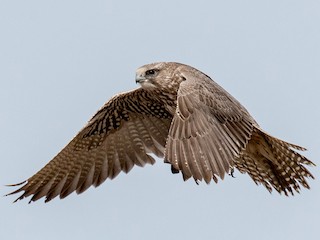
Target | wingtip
(16,184)
(18,199)
(16,191)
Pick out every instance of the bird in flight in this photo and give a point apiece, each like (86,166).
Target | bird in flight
(178,113)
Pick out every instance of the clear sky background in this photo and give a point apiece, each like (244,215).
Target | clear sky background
(61,60)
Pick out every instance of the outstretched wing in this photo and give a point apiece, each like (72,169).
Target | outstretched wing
(119,136)
(208,130)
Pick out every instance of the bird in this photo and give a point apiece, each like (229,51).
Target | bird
(180,114)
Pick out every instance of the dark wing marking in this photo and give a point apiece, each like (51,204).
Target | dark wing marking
(119,136)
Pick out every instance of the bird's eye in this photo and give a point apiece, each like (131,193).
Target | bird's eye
(150,72)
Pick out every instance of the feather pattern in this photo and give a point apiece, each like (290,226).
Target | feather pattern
(180,114)
(210,128)
(118,137)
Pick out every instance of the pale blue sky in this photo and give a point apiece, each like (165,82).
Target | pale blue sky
(61,60)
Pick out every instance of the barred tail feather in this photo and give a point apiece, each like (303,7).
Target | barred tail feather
(274,163)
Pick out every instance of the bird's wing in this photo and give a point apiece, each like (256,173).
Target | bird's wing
(209,129)
(119,136)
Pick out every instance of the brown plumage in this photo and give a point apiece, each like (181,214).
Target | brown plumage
(180,114)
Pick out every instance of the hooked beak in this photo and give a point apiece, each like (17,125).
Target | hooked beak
(140,79)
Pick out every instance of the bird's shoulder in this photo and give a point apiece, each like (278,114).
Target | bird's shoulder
(200,91)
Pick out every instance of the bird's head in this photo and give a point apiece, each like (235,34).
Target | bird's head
(162,75)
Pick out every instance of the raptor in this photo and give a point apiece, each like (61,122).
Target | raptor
(179,114)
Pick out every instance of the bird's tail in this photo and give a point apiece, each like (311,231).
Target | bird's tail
(274,163)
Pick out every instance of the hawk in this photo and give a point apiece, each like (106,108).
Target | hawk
(178,113)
